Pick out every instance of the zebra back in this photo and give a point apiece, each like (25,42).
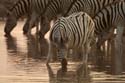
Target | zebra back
(91,7)
(74,31)
(22,7)
(57,8)
(40,5)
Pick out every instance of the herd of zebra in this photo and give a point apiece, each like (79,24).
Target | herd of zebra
(76,23)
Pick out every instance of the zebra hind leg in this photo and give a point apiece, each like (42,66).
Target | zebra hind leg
(84,65)
(44,27)
(62,57)
(64,64)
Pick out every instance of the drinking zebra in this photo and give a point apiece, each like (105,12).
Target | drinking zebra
(91,7)
(73,32)
(21,8)
(55,10)
(109,18)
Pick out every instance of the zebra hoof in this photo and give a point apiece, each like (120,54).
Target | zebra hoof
(25,32)
(41,36)
(47,64)
(7,35)
(64,64)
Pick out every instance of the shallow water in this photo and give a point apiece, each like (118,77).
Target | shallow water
(22,60)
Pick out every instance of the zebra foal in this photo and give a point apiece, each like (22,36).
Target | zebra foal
(73,32)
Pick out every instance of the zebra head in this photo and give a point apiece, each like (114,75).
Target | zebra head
(10,23)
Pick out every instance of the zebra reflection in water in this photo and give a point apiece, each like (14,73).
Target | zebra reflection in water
(69,76)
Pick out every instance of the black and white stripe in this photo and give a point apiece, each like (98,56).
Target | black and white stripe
(21,8)
(55,9)
(109,18)
(38,8)
(91,7)
(64,8)
(73,32)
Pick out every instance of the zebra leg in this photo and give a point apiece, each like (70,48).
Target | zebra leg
(105,36)
(52,52)
(44,27)
(77,54)
(26,26)
(32,21)
(85,57)
(64,64)
(118,50)
(37,27)
(62,54)
(84,65)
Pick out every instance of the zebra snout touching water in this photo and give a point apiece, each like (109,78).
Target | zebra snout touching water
(73,32)
(21,8)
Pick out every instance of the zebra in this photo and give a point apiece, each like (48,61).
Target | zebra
(73,32)
(91,7)
(21,8)
(109,18)
(56,9)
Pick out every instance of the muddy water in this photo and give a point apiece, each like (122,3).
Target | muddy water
(22,60)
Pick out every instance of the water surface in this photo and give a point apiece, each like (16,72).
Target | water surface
(22,60)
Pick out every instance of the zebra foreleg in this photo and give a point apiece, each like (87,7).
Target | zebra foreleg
(105,36)
(26,26)
(84,65)
(118,50)
(32,21)
(44,27)
(77,54)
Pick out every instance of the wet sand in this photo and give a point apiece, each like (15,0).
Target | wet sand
(22,60)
